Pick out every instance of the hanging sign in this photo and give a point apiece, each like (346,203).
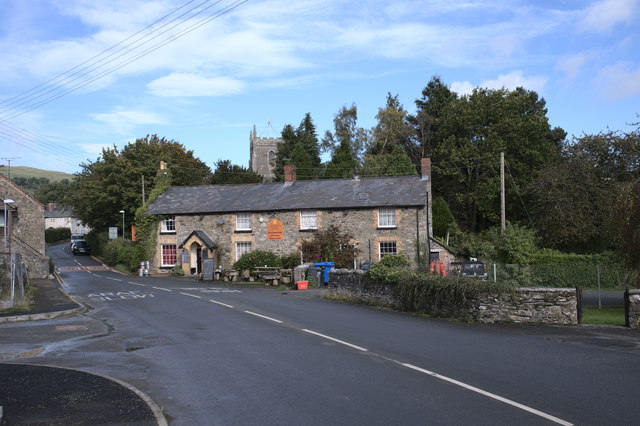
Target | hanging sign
(275,230)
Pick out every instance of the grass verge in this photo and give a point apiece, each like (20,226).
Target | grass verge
(607,315)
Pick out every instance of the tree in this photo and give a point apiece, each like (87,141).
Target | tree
(396,163)
(342,164)
(227,173)
(347,134)
(443,220)
(392,128)
(114,181)
(299,147)
(627,223)
(54,192)
(330,245)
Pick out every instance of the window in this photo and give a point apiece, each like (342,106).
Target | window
(388,247)
(308,219)
(169,224)
(169,255)
(243,222)
(387,217)
(242,248)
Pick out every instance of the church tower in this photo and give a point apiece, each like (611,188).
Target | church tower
(262,158)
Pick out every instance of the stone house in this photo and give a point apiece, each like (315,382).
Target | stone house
(386,215)
(24,228)
(62,217)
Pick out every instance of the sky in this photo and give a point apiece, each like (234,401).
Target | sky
(77,76)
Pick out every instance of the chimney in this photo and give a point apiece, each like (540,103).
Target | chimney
(426,169)
(50,207)
(289,174)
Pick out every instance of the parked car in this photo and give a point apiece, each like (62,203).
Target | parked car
(472,268)
(80,247)
(76,237)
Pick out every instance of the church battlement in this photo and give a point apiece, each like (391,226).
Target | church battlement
(262,156)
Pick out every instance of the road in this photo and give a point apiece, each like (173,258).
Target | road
(217,354)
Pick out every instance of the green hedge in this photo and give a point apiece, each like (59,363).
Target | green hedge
(257,258)
(123,252)
(565,275)
(55,235)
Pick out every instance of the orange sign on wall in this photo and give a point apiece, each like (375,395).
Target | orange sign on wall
(275,230)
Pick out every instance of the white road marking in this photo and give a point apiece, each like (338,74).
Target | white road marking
(160,288)
(141,285)
(220,303)
(336,340)
(114,279)
(262,316)
(191,295)
(488,394)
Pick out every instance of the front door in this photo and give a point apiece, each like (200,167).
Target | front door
(196,258)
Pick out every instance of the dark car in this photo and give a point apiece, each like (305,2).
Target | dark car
(472,268)
(80,247)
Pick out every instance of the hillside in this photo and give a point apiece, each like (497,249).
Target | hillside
(30,172)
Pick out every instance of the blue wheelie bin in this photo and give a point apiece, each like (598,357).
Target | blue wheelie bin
(326,267)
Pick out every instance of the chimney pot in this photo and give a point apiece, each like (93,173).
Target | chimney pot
(289,174)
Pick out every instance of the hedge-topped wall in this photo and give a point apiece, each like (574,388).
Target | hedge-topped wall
(468,299)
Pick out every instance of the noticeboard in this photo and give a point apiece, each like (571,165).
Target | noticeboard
(275,230)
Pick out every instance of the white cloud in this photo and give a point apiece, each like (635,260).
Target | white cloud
(189,84)
(509,81)
(572,65)
(124,121)
(603,16)
(619,81)
(93,150)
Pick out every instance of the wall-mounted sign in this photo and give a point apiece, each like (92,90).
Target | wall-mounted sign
(275,230)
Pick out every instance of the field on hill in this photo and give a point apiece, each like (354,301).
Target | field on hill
(29,172)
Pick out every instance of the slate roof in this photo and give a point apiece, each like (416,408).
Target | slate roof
(203,236)
(58,212)
(400,191)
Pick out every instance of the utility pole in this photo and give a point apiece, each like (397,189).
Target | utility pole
(9,163)
(144,199)
(503,214)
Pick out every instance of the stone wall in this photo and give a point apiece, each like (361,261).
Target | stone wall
(634,309)
(525,305)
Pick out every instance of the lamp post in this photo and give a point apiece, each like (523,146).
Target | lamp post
(122,212)
(7,201)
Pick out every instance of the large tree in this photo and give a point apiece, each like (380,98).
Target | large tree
(299,147)
(114,181)
(227,173)
(392,128)
(346,134)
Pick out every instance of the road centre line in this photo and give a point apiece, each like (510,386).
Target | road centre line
(488,394)
(262,316)
(141,285)
(191,295)
(220,303)
(160,288)
(342,342)
(114,279)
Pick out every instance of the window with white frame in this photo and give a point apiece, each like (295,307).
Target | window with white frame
(388,247)
(169,255)
(387,217)
(308,219)
(243,222)
(169,224)
(242,247)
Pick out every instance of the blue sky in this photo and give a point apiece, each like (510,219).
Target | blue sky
(269,62)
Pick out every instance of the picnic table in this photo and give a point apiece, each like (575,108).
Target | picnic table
(269,274)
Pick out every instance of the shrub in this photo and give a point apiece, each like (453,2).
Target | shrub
(54,235)
(123,252)
(330,245)
(177,271)
(291,260)
(388,267)
(257,258)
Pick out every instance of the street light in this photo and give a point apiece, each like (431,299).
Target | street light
(7,201)
(122,212)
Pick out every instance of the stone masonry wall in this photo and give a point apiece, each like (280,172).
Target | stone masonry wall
(634,309)
(361,223)
(527,305)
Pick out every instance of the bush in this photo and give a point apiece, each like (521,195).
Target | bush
(123,252)
(291,260)
(388,267)
(257,258)
(177,271)
(55,235)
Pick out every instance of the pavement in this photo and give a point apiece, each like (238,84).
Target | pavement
(47,395)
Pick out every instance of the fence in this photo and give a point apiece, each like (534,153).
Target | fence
(13,279)
(585,275)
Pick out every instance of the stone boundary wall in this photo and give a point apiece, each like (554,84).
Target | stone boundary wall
(634,309)
(527,305)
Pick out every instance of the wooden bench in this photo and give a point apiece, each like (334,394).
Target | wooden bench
(270,275)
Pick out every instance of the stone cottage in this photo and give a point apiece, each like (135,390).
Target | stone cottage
(56,216)
(386,215)
(24,228)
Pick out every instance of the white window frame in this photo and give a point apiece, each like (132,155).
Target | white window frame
(169,224)
(386,217)
(308,219)
(243,222)
(242,247)
(162,254)
(384,248)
